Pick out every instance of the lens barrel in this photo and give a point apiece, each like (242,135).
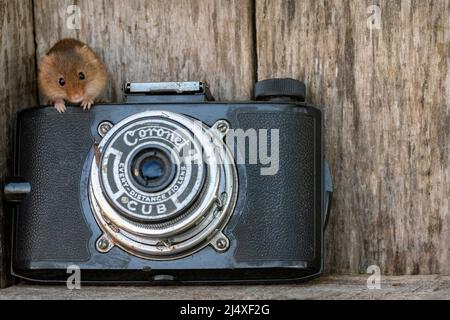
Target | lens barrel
(164,185)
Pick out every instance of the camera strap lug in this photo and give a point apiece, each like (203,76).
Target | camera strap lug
(328,192)
(15,189)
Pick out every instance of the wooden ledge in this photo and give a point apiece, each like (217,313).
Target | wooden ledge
(328,287)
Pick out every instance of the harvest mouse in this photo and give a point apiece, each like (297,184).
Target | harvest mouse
(71,72)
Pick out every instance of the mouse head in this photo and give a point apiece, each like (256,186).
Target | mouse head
(71,74)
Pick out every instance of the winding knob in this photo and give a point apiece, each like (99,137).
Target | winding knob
(280,88)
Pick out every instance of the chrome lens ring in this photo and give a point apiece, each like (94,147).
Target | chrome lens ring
(120,149)
(192,227)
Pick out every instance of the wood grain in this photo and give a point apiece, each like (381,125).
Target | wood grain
(17,91)
(386,92)
(387,98)
(329,287)
(161,40)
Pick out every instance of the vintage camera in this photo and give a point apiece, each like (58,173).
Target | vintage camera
(171,186)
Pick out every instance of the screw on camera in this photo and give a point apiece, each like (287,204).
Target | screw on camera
(103,245)
(221,243)
(104,127)
(223,126)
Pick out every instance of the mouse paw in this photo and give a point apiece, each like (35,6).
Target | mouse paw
(60,106)
(87,103)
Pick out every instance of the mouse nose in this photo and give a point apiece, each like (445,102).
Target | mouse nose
(76,96)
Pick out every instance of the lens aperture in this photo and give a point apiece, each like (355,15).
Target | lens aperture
(152,169)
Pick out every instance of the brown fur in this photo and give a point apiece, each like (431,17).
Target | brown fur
(66,59)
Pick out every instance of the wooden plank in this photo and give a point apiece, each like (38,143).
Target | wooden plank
(387,98)
(160,40)
(17,91)
(331,287)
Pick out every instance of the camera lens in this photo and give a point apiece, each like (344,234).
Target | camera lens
(152,169)
(164,186)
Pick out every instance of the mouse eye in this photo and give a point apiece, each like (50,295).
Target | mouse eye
(81,76)
(62,82)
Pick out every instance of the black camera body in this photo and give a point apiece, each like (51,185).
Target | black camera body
(153,191)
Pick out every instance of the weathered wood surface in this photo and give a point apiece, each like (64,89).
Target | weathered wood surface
(332,287)
(387,98)
(160,40)
(17,87)
(386,92)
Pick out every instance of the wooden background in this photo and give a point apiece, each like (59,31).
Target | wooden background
(386,94)
(17,91)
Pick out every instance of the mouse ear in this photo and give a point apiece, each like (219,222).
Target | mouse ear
(46,61)
(88,54)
